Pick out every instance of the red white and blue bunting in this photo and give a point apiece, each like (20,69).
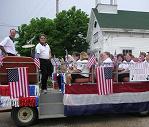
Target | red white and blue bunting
(6,102)
(84,99)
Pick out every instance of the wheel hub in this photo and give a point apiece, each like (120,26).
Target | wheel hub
(25,114)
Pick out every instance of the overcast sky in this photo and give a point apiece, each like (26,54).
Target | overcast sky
(16,12)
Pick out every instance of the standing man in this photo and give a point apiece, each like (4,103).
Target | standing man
(7,46)
(43,52)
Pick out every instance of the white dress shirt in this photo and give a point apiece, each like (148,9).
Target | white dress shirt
(43,51)
(8,45)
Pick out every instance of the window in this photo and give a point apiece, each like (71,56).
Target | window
(125,51)
(95,24)
(95,37)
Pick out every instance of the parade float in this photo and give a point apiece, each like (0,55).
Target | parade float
(100,93)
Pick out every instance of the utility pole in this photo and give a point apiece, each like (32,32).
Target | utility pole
(57,7)
(96,2)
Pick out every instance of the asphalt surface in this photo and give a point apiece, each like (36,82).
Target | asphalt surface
(108,120)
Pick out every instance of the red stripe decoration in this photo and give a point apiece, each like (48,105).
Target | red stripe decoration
(131,87)
(18,82)
(104,80)
(120,87)
(4,91)
(81,89)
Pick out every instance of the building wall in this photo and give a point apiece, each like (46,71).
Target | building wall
(115,41)
(131,41)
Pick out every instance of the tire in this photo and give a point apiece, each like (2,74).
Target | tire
(24,116)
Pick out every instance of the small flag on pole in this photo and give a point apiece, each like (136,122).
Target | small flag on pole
(104,80)
(37,62)
(1,60)
(91,61)
(18,82)
(115,57)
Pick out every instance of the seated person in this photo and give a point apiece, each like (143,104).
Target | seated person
(123,68)
(69,61)
(142,57)
(106,60)
(62,68)
(120,58)
(76,56)
(81,69)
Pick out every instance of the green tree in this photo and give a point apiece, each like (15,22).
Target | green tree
(71,29)
(34,28)
(67,31)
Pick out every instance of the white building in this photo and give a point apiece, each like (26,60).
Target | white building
(118,30)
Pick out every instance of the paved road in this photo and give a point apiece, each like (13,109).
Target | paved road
(86,121)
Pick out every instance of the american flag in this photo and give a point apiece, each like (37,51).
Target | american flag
(104,80)
(37,62)
(18,82)
(91,61)
(1,60)
(115,56)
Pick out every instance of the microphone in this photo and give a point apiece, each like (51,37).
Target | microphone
(29,43)
(31,40)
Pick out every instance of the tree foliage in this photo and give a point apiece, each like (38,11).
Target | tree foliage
(36,27)
(67,31)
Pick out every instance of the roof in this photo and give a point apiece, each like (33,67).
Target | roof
(124,19)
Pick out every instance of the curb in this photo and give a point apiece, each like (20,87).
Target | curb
(5,110)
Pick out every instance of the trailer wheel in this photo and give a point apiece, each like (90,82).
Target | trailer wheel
(24,116)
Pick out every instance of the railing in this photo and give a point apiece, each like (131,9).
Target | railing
(116,71)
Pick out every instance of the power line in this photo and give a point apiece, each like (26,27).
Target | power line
(8,25)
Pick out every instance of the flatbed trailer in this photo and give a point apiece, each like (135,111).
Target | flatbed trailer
(82,98)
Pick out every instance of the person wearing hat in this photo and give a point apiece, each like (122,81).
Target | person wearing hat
(82,70)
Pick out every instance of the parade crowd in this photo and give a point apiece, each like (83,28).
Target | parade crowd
(78,63)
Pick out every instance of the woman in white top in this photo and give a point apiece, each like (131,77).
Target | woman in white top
(106,60)
(82,70)
(124,68)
